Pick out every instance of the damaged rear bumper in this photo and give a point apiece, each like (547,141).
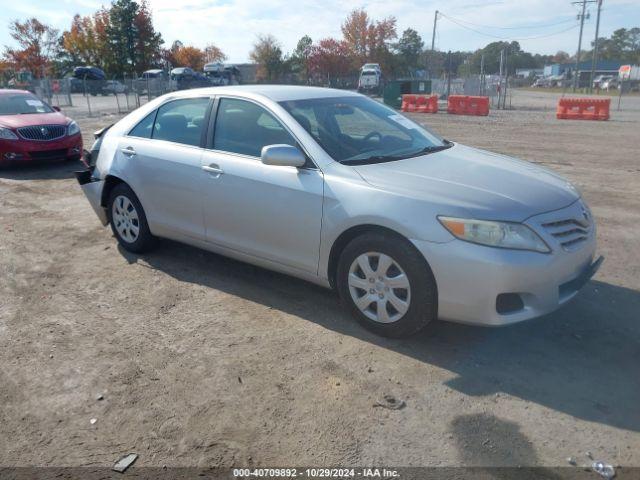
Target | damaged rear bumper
(92,189)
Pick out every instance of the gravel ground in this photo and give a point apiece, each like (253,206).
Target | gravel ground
(205,361)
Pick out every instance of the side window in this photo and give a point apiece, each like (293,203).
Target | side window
(145,127)
(181,121)
(244,127)
(306,117)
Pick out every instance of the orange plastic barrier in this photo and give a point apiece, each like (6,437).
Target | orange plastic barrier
(583,108)
(420,103)
(468,105)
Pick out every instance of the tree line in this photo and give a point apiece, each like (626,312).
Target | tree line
(121,40)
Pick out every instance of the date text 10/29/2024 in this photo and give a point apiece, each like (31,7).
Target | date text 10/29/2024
(315,473)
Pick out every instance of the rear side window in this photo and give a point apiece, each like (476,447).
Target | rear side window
(145,127)
(244,127)
(181,121)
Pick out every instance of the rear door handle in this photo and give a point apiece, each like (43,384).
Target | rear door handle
(128,151)
(213,169)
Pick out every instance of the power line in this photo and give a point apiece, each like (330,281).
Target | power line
(506,38)
(512,28)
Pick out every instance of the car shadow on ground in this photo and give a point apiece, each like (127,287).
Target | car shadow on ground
(583,360)
(58,170)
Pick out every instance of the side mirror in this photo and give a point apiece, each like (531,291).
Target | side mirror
(282,155)
(56,108)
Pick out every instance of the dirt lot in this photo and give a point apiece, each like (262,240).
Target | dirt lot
(206,361)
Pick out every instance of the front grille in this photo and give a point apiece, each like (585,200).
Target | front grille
(42,133)
(48,154)
(570,232)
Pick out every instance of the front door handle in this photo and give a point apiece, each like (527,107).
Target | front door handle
(213,169)
(128,151)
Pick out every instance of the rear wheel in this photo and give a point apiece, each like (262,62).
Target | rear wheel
(387,285)
(128,220)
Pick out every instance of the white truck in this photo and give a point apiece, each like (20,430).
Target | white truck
(370,80)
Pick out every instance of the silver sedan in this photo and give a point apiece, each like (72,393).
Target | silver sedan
(337,189)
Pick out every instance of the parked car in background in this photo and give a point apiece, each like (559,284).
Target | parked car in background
(32,130)
(22,80)
(220,74)
(599,80)
(370,81)
(371,66)
(187,78)
(93,79)
(338,189)
(610,84)
(114,86)
(541,82)
(154,82)
(75,85)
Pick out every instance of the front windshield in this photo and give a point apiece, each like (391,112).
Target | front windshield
(21,104)
(357,129)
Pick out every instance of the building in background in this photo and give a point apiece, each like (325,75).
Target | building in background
(566,70)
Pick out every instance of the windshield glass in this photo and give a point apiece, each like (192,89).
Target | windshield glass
(22,104)
(360,130)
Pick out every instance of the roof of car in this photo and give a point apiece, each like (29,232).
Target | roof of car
(280,93)
(8,91)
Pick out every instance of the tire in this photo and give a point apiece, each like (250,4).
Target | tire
(419,301)
(124,206)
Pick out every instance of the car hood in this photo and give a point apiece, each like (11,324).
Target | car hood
(25,120)
(464,181)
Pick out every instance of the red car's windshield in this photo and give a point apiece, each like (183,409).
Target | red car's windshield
(21,103)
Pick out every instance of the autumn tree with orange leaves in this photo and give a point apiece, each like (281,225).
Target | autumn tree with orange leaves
(189,56)
(85,43)
(330,57)
(368,40)
(37,45)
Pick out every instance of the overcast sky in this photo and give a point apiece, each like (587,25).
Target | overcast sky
(233,24)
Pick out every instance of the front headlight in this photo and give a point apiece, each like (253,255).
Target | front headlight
(73,128)
(6,134)
(495,234)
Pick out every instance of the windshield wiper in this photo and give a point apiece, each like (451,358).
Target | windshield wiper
(431,149)
(390,158)
(372,159)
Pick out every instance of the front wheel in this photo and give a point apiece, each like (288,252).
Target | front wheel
(387,285)
(128,220)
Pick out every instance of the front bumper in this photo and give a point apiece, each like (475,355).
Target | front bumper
(92,189)
(17,151)
(470,277)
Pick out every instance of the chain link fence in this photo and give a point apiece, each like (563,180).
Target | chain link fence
(91,98)
(94,98)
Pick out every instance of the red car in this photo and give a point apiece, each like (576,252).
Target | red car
(32,130)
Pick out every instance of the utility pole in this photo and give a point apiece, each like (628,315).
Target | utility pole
(506,79)
(433,40)
(594,57)
(500,78)
(582,17)
(481,75)
(433,35)
(448,74)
